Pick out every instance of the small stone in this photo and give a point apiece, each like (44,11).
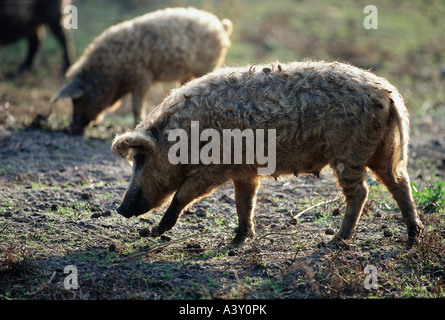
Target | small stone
(193,246)
(145,232)
(387,233)
(329,231)
(112,247)
(85,195)
(106,213)
(200,212)
(322,244)
(165,238)
(94,208)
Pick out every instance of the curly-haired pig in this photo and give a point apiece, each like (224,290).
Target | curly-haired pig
(307,115)
(173,44)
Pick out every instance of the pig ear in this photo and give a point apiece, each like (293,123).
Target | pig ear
(132,140)
(72,89)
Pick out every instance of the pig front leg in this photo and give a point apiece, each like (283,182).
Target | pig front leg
(192,189)
(169,219)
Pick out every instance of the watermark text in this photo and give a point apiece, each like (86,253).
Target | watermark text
(210,153)
(371,20)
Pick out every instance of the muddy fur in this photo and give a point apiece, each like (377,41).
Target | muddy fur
(325,114)
(174,44)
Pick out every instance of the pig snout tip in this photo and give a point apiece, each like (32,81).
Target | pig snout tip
(124,213)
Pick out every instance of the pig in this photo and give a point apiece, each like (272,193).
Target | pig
(323,113)
(20,19)
(173,44)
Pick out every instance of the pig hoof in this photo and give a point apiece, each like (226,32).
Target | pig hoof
(155,232)
(338,243)
(241,239)
(242,235)
(414,235)
(238,240)
(236,243)
(412,241)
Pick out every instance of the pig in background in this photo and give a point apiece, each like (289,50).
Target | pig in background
(174,44)
(324,114)
(27,19)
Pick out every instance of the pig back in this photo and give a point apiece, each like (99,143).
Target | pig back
(321,113)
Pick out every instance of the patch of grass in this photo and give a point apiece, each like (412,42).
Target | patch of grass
(75,209)
(6,205)
(431,198)
(38,185)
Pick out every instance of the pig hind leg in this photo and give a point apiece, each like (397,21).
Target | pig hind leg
(245,193)
(139,92)
(400,189)
(354,187)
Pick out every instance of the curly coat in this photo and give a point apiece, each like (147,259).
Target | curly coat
(174,44)
(324,114)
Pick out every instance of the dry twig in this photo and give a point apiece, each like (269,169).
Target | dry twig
(314,206)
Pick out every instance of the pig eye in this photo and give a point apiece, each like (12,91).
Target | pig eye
(138,160)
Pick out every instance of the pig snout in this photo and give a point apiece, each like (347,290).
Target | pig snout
(76,130)
(133,204)
(78,124)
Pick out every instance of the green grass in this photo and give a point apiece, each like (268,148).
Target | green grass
(431,198)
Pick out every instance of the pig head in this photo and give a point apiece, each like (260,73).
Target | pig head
(151,184)
(86,107)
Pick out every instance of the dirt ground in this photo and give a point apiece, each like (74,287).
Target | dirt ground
(58,200)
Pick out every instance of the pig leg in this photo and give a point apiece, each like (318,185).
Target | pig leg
(170,217)
(139,93)
(192,189)
(400,189)
(245,195)
(59,33)
(355,190)
(33,45)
